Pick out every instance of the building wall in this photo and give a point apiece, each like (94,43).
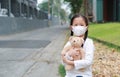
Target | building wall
(22,8)
(94,11)
(106,10)
(10,25)
(25,17)
(99,10)
(118,10)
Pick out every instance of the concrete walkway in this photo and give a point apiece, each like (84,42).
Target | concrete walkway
(32,54)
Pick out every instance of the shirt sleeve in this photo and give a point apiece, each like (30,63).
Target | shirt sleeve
(89,52)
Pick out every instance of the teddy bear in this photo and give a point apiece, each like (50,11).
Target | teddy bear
(74,51)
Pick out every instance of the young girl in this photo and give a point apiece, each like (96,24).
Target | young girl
(79,28)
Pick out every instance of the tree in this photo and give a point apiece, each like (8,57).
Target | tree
(51,6)
(54,8)
(63,14)
(43,6)
(75,5)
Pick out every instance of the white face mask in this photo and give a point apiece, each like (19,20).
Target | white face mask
(79,30)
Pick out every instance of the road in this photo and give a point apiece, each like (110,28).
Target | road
(32,54)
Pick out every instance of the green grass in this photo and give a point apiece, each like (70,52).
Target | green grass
(61,70)
(106,32)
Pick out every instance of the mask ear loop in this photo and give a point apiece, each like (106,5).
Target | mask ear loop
(86,28)
(71,27)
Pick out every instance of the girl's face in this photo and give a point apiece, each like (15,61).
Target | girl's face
(78,21)
(78,26)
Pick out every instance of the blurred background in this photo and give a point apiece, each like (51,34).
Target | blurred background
(94,10)
(43,13)
(104,25)
(25,15)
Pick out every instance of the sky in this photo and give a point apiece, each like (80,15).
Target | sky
(39,1)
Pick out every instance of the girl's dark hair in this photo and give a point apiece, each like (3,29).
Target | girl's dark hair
(86,21)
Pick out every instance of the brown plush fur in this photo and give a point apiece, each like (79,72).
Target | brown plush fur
(74,51)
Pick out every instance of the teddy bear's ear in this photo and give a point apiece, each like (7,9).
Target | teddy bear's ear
(82,40)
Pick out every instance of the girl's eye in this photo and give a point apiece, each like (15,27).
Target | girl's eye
(82,25)
(76,25)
